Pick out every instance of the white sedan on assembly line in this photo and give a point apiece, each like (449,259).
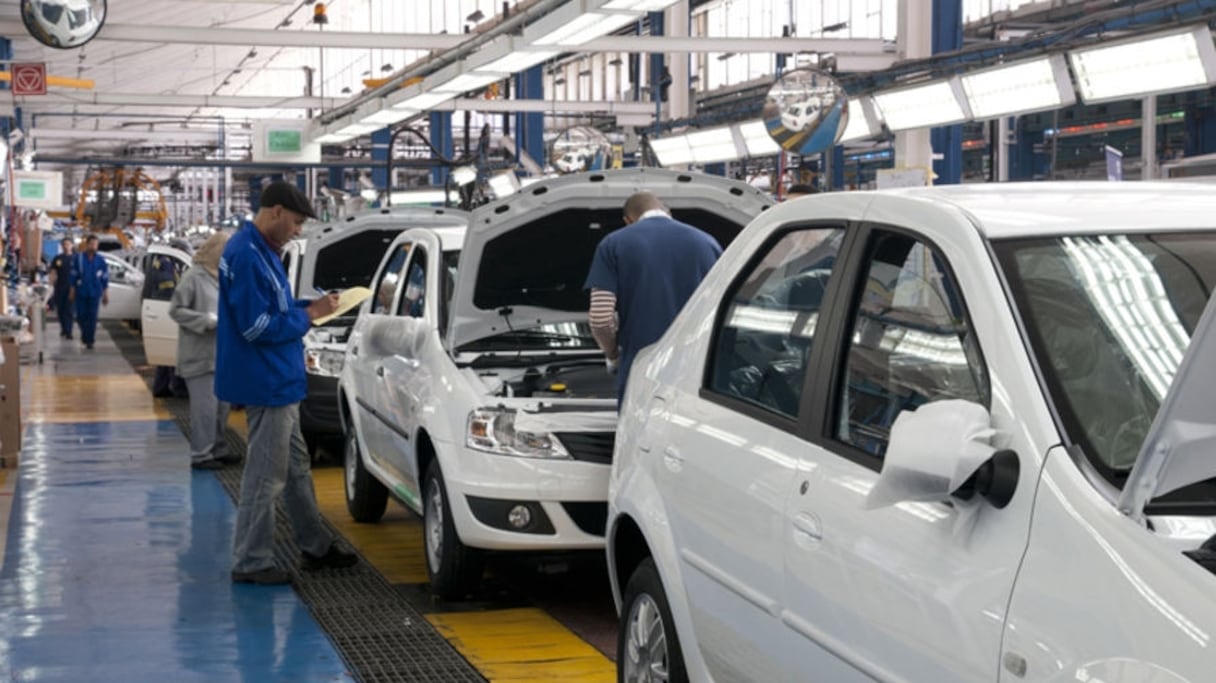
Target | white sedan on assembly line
(944,434)
(476,395)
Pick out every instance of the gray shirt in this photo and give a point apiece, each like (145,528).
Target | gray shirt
(194,307)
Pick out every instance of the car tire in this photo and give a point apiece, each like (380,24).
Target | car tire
(647,646)
(454,568)
(366,497)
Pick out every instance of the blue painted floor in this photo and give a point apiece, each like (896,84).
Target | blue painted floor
(117,569)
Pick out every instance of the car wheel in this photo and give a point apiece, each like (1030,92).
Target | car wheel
(647,647)
(454,568)
(366,497)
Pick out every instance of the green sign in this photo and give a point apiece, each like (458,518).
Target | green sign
(284,141)
(31,189)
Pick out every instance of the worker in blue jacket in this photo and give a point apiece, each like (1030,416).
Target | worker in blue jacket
(260,364)
(91,278)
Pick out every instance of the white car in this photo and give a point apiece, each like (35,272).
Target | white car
(163,267)
(476,395)
(125,290)
(961,479)
(799,115)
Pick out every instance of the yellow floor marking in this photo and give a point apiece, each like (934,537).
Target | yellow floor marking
(523,645)
(107,398)
(393,546)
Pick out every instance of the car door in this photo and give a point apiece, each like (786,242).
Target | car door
(730,452)
(914,591)
(123,293)
(163,268)
(367,361)
(407,376)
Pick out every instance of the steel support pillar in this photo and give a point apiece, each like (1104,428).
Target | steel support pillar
(1148,138)
(1000,149)
(441,139)
(530,126)
(947,141)
(381,149)
(680,97)
(914,39)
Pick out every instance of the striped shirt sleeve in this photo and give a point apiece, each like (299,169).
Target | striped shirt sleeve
(602,318)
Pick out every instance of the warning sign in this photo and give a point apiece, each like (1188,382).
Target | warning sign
(29,79)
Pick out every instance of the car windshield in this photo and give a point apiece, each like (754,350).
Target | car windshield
(1109,318)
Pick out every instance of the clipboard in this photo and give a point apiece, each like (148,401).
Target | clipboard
(348,299)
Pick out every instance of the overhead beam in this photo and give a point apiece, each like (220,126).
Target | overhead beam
(192,135)
(667,44)
(546,106)
(57,101)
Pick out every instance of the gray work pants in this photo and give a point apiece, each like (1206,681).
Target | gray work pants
(208,419)
(276,461)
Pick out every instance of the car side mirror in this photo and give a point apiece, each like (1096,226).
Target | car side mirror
(941,450)
(391,335)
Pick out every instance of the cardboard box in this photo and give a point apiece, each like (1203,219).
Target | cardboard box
(10,403)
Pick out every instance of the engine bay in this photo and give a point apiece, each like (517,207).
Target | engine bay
(583,378)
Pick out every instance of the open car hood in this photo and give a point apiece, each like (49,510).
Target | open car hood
(346,253)
(527,255)
(1180,448)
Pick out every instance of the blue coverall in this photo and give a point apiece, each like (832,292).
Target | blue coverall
(92,279)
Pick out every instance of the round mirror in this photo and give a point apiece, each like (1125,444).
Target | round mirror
(580,149)
(63,24)
(806,111)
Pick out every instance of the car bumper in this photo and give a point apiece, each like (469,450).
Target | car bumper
(319,409)
(572,496)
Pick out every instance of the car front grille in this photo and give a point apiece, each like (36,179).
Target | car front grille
(589,446)
(592,518)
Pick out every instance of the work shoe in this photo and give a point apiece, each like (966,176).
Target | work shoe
(271,576)
(206,465)
(334,558)
(230,459)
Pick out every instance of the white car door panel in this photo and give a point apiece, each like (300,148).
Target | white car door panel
(163,269)
(124,292)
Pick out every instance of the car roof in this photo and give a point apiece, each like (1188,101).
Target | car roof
(1011,210)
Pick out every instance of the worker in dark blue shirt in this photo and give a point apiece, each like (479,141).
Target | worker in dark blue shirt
(61,282)
(91,278)
(640,278)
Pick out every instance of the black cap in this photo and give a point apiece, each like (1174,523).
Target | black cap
(288,196)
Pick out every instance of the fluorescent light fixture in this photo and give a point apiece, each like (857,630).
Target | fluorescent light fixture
(518,61)
(425,101)
(504,184)
(466,82)
(585,27)
(357,128)
(1021,87)
(713,145)
(1168,62)
(388,116)
(328,138)
(858,126)
(463,175)
(423,197)
(638,5)
(672,151)
(921,106)
(757,140)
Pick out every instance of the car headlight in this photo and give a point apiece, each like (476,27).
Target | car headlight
(493,430)
(324,362)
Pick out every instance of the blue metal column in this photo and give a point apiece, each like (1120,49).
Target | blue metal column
(836,182)
(255,193)
(336,177)
(441,138)
(380,154)
(530,126)
(1200,126)
(657,89)
(948,140)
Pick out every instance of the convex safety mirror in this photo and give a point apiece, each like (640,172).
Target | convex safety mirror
(942,450)
(579,149)
(806,111)
(63,24)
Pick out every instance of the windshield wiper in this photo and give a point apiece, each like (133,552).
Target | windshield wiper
(542,335)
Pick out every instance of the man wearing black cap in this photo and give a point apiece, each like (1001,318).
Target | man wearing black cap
(260,364)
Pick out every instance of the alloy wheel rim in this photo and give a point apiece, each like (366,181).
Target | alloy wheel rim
(352,464)
(646,643)
(434,526)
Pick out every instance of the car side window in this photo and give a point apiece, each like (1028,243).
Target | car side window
(911,342)
(413,296)
(161,277)
(386,286)
(761,349)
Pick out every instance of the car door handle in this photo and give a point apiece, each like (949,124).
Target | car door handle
(354,350)
(379,370)
(806,526)
(672,458)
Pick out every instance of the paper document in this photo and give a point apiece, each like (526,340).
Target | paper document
(347,299)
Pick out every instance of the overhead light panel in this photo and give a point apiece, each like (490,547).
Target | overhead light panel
(923,106)
(517,61)
(1021,87)
(585,27)
(638,5)
(672,151)
(1168,62)
(388,116)
(757,140)
(468,81)
(858,125)
(325,136)
(463,175)
(424,100)
(504,184)
(713,145)
(357,128)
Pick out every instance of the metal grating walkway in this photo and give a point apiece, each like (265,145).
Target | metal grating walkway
(379,634)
